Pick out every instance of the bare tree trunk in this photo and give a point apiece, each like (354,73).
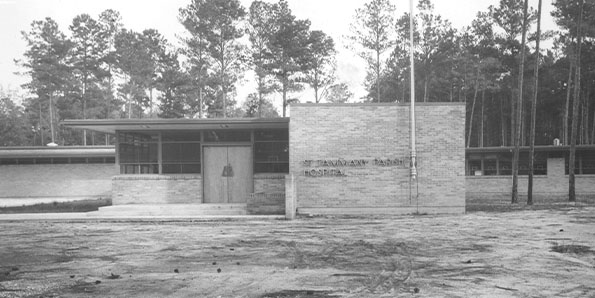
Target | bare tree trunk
(567,107)
(52,117)
(199,102)
(481,129)
(316,99)
(502,124)
(512,116)
(150,102)
(586,116)
(284,98)
(592,140)
(85,108)
(377,76)
(583,106)
(517,143)
(577,86)
(260,87)
(426,89)
(473,109)
(534,111)
(223,91)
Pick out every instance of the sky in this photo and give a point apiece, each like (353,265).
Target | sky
(331,16)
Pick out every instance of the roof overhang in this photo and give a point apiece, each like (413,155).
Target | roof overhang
(113,125)
(57,152)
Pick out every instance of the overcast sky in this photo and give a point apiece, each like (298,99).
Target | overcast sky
(331,16)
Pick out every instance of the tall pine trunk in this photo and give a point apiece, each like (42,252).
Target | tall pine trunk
(503,121)
(481,124)
(575,104)
(567,106)
(284,93)
(473,109)
(519,111)
(534,111)
(377,76)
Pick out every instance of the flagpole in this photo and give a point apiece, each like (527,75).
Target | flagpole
(412,100)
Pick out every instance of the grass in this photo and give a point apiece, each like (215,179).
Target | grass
(55,207)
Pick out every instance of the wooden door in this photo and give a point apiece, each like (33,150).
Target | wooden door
(227,176)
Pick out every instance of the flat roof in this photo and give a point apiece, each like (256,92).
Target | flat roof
(56,152)
(113,125)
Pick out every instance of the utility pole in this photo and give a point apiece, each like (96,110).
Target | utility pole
(412,108)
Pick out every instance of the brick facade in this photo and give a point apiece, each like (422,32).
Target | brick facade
(269,183)
(268,196)
(56,180)
(157,189)
(354,158)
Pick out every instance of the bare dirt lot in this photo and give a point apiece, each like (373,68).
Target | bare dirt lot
(542,253)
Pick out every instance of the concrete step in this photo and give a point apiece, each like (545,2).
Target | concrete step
(174,210)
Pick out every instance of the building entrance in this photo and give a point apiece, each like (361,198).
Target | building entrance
(227,176)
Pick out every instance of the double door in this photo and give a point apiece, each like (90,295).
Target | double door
(227,176)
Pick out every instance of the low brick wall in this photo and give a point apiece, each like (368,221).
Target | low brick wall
(157,189)
(266,204)
(56,180)
(269,183)
(482,190)
(553,187)
(269,194)
(373,140)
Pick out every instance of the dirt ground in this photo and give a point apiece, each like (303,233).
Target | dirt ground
(542,253)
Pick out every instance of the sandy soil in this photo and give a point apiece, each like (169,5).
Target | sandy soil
(512,254)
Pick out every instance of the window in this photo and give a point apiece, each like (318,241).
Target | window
(138,153)
(271,151)
(474,168)
(180,153)
(500,164)
(55,160)
(588,163)
(9,161)
(227,136)
(490,167)
(584,163)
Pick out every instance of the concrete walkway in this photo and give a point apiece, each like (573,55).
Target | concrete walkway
(17,202)
(84,216)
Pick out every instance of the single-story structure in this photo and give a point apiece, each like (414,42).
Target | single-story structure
(489,170)
(346,158)
(326,159)
(56,172)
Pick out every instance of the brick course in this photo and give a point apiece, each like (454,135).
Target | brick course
(157,189)
(56,180)
(378,131)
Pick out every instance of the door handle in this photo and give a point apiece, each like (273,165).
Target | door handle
(227,171)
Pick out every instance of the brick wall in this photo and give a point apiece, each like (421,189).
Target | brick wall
(361,133)
(57,180)
(268,196)
(269,183)
(157,189)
